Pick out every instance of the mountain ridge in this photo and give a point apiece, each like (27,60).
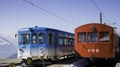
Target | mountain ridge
(7,47)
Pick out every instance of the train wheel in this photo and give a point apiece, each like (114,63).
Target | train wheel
(12,65)
(23,63)
(29,61)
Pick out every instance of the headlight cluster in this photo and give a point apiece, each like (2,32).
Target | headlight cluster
(42,51)
(21,51)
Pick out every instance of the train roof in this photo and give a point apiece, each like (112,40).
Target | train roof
(101,25)
(94,24)
(93,27)
(41,29)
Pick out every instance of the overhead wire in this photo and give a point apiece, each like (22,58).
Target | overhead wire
(100,10)
(45,10)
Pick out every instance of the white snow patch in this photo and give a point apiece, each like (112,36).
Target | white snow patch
(69,65)
(3,42)
(79,63)
(9,37)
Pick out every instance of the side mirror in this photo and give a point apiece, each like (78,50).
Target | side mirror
(16,35)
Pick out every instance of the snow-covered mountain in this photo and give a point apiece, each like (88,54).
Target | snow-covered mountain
(13,56)
(8,46)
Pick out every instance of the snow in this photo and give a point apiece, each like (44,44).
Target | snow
(3,42)
(79,63)
(11,38)
(7,46)
(117,65)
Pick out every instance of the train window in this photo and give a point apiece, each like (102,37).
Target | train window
(24,39)
(82,37)
(104,37)
(34,38)
(61,40)
(65,40)
(71,41)
(41,38)
(92,37)
(50,38)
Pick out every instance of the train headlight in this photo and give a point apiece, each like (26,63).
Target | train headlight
(92,28)
(42,52)
(21,50)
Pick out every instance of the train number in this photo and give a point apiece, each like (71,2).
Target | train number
(93,50)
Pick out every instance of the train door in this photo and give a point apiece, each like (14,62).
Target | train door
(34,45)
(42,43)
(52,44)
(24,45)
(38,44)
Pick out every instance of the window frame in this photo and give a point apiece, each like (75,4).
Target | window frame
(50,38)
(93,38)
(21,39)
(43,38)
(83,36)
(34,41)
(103,35)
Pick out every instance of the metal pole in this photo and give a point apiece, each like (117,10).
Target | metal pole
(100,18)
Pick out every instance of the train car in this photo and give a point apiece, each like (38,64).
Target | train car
(96,40)
(41,42)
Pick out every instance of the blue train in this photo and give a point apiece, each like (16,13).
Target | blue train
(40,42)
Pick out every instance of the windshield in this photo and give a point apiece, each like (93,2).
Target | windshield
(41,38)
(92,37)
(104,37)
(24,39)
(34,38)
(82,37)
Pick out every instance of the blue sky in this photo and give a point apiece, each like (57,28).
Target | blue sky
(16,14)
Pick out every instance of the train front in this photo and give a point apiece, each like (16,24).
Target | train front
(94,41)
(31,43)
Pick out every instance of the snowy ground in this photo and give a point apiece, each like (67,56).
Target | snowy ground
(79,63)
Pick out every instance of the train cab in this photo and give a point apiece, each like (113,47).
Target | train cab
(28,42)
(96,40)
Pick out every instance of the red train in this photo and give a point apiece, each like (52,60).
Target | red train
(96,40)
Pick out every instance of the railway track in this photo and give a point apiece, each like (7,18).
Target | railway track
(68,62)
(59,63)
(102,63)
(73,62)
(45,63)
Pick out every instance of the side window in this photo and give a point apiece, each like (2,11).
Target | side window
(24,39)
(34,38)
(66,41)
(41,38)
(82,37)
(50,35)
(61,40)
(92,37)
(71,41)
(104,37)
